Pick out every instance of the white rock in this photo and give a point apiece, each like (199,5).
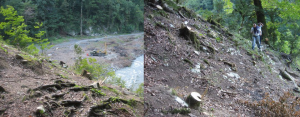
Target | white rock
(172,26)
(159,7)
(180,101)
(196,69)
(197,52)
(40,109)
(233,75)
(186,22)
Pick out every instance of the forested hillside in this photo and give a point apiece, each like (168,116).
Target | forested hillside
(79,17)
(281,20)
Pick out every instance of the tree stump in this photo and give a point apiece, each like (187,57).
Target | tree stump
(86,74)
(194,100)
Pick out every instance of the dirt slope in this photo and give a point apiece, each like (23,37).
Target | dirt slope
(32,86)
(185,53)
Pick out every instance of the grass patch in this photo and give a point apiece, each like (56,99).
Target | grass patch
(62,76)
(97,92)
(111,89)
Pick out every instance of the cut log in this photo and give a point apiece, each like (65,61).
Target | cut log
(194,100)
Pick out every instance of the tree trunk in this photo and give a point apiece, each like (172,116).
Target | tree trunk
(81,20)
(261,17)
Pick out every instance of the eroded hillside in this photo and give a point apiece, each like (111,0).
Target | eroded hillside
(185,53)
(34,86)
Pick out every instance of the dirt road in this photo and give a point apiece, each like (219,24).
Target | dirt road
(121,49)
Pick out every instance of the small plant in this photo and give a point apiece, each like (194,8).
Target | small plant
(200,34)
(270,69)
(140,90)
(218,39)
(174,92)
(62,76)
(98,92)
(132,102)
(206,61)
(285,107)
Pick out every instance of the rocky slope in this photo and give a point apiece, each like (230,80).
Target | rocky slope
(185,53)
(33,86)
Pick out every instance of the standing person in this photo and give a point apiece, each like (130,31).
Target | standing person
(255,36)
(260,25)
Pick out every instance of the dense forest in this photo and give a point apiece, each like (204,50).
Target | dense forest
(281,19)
(79,17)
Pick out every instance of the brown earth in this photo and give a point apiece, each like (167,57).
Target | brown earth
(231,72)
(121,50)
(26,83)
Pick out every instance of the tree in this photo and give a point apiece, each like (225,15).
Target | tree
(261,16)
(14,27)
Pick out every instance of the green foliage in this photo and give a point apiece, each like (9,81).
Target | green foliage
(121,16)
(132,102)
(173,92)
(228,6)
(140,91)
(98,92)
(31,49)
(14,27)
(96,70)
(218,39)
(78,49)
(43,43)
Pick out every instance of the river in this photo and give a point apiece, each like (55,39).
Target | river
(133,75)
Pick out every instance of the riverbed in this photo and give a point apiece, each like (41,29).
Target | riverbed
(133,75)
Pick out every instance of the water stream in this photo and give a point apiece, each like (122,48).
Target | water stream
(133,75)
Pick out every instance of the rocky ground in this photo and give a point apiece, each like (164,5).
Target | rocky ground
(121,49)
(33,86)
(185,53)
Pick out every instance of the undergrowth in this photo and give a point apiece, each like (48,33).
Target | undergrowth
(287,106)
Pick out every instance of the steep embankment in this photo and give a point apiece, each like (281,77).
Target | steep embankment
(34,86)
(185,53)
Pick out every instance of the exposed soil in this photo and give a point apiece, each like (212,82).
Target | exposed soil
(216,60)
(121,49)
(36,87)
